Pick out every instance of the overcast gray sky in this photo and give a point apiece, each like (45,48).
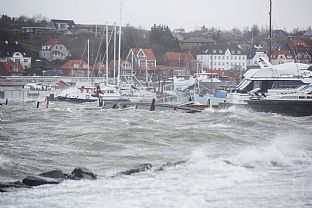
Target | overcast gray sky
(223,14)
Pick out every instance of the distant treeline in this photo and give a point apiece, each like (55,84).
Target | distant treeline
(22,21)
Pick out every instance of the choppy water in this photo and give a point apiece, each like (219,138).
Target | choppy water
(66,136)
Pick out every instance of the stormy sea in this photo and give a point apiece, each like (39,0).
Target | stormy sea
(218,158)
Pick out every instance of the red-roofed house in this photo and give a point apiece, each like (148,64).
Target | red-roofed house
(75,68)
(11,68)
(281,57)
(301,51)
(177,59)
(142,57)
(13,51)
(54,49)
(299,42)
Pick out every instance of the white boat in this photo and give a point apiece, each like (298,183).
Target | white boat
(271,79)
(79,94)
(297,102)
(109,93)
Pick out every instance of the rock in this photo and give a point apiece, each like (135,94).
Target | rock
(140,168)
(82,173)
(5,186)
(54,174)
(40,180)
(171,164)
(275,164)
(228,162)
(244,166)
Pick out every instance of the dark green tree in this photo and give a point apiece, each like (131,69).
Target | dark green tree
(162,41)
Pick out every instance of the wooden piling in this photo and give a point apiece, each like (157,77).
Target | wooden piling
(153,105)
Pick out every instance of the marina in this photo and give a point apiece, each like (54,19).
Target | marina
(142,108)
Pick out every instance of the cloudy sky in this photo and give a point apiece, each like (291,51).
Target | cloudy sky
(222,14)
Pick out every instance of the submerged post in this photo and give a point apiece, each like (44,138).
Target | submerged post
(37,104)
(153,105)
(6,102)
(47,102)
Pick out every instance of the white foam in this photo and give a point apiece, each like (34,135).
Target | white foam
(3,160)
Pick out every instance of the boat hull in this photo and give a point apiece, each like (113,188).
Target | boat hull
(76,100)
(284,107)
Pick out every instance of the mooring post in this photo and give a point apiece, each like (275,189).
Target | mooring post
(47,102)
(101,103)
(6,102)
(153,105)
(37,104)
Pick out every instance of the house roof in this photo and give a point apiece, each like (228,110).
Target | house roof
(299,42)
(286,53)
(147,51)
(70,23)
(53,42)
(307,33)
(6,68)
(8,48)
(177,56)
(69,65)
(197,40)
(220,48)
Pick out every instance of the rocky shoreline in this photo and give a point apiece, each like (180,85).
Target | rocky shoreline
(79,173)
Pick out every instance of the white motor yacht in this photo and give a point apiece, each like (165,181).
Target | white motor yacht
(271,79)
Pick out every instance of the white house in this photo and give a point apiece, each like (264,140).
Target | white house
(142,57)
(54,50)
(223,56)
(12,51)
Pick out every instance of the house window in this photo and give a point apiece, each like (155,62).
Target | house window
(220,51)
(238,52)
(214,51)
(17,60)
(25,60)
(232,52)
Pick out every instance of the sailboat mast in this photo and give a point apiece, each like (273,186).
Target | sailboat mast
(106,53)
(119,47)
(88,58)
(115,31)
(270,31)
